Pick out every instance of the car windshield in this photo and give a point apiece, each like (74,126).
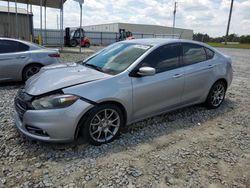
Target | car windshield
(116,58)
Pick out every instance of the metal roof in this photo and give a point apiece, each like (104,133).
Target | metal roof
(13,10)
(49,3)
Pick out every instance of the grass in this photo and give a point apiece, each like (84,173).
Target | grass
(221,45)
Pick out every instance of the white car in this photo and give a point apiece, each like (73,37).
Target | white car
(20,60)
(122,84)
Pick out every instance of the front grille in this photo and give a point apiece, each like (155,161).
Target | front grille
(22,103)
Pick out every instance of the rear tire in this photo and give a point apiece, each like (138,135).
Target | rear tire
(216,95)
(102,124)
(30,70)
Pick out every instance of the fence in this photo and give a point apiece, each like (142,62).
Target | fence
(53,37)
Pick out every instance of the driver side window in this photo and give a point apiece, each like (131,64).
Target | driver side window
(163,58)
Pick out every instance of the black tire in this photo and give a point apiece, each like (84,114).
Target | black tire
(215,98)
(73,43)
(87,45)
(30,70)
(91,124)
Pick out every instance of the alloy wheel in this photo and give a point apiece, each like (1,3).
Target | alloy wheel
(104,125)
(218,94)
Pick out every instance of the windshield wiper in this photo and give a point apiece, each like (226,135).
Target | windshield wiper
(94,67)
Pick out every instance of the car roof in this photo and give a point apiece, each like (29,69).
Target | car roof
(22,41)
(161,41)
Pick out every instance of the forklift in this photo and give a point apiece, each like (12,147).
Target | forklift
(74,37)
(125,35)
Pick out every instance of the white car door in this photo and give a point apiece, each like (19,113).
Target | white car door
(162,91)
(198,73)
(13,55)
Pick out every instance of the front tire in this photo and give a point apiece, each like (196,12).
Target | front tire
(216,95)
(102,124)
(73,43)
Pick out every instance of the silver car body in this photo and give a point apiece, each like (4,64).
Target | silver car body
(12,64)
(139,97)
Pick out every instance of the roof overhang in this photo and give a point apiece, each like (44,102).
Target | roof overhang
(47,3)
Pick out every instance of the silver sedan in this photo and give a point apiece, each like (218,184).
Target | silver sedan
(124,83)
(20,60)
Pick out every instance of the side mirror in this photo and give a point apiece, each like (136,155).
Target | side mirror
(146,71)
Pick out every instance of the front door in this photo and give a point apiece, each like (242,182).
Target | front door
(162,91)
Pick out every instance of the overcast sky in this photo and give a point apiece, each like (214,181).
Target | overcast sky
(205,16)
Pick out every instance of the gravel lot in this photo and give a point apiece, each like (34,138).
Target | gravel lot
(192,147)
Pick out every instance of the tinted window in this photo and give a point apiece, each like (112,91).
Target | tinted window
(193,53)
(8,46)
(210,53)
(163,58)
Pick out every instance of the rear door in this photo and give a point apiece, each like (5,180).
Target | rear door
(13,55)
(198,70)
(162,91)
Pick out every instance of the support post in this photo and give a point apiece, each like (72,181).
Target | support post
(16,34)
(45,22)
(41,23)
(31,26)
(80,47)
(28,20)
(61,21)
(8,34)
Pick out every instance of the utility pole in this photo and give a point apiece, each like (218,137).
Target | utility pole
(175,3)
(229,20)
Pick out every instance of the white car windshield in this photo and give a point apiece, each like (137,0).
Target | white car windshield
(116,58)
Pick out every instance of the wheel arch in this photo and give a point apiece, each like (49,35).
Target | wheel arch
(30,64)
(222,80)
(84,116)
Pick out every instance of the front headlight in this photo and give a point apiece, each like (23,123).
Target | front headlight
(54,101)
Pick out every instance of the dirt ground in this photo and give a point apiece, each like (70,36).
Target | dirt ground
(191,147)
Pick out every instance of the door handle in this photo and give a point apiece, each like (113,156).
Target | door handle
(177,75)
(21,57)
(210,66)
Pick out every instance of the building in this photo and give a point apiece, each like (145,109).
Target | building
(141,29)
(14,25)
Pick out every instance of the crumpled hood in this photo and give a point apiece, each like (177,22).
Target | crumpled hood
(54,77)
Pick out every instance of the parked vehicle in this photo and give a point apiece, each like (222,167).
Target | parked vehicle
(19,60)
(124,83)
(125,35)
(76,37)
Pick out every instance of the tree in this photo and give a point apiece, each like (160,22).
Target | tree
(201,37)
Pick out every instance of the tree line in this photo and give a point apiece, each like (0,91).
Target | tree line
(245,39)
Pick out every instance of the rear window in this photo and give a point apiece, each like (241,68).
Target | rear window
(193,53)
(210,53)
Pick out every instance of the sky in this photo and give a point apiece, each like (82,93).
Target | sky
(204,16)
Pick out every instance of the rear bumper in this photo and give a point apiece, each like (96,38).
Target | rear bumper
(57,125)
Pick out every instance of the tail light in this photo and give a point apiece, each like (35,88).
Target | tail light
(54,55)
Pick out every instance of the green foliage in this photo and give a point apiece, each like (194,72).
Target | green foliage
(245,39)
